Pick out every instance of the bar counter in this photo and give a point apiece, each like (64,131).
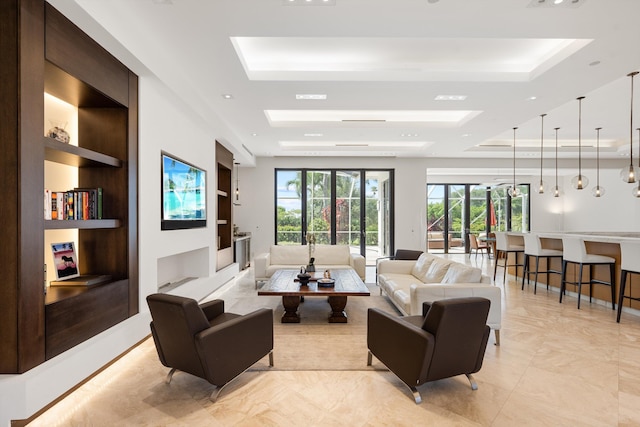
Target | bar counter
(601,243)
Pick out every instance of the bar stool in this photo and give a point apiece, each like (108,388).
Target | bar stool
(533,247)
(503,248)
(630,256)
(575,252)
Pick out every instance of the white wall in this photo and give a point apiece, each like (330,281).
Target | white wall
(573,211)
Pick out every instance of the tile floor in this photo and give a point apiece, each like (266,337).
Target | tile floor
(556,366)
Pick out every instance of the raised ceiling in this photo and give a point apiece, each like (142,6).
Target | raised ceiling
(381,66)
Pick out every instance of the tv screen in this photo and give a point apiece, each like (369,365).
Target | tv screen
(184,195)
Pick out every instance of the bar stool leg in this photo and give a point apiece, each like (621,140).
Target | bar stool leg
(563,280)
(612,270)
(535,277)
(525,271)
(623,282)
(590,282)
(580,286)
(495,264)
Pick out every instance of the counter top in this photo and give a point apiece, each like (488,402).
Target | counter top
(592,236)
(241,236)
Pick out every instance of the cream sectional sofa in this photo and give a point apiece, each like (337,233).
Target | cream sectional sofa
(410,283)
(296,256)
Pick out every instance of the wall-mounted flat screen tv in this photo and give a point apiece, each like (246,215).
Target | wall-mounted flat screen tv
(184,194)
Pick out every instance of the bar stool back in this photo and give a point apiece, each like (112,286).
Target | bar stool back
(630,263)
(533,247)
(503,248)
(575,251)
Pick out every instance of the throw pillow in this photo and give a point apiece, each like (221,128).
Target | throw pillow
(436,271)
(421,266)
(459,273)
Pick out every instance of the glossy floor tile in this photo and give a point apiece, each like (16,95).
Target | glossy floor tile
(556,365)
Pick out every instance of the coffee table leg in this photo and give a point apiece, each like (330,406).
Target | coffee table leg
(338,303)
(290,309)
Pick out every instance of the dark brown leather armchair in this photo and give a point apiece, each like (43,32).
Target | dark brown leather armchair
(205,341)
(448,340)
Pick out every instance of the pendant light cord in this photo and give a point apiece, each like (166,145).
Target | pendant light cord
(580,137)
(598,157)
(556,129)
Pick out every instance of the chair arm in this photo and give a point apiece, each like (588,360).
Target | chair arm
(403,347)
(229,348)
(213,308)
(395,266)
(261,262)
(357,262)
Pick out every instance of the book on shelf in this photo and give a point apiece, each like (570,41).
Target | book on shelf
(76,204)
(83,280)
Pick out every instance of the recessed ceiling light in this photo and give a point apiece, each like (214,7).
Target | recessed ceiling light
(313,96)
(309,2)
(254,134)
(451,97)
(313,134)
(557,1)
(227,96)
(464,135)
(594,63)
(532,98)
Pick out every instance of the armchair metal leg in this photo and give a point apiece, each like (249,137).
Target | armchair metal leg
(170,375)
(215,393)
(474,385)
(416,395)
(271,358)
(369,358)
(497,334)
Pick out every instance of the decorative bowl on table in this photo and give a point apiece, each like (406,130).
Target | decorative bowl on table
(326,283)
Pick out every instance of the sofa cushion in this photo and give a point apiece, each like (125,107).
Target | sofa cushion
(331,254)
(460,273)
(296,255)
(437,270)
(421,267)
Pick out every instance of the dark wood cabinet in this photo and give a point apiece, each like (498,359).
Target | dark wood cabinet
(224,222)
(49,54)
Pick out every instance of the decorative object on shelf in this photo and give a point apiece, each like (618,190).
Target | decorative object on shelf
(303,277)
(579,182)
(629,174)
(557,191)
(514,191)
(311,243)
(598,191)
(58,133)
(542,185)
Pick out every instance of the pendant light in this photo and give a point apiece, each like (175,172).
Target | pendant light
(514,191)
(556,190)
(598,191)
(542,185)
(629,174)
(636,190)
(580,182)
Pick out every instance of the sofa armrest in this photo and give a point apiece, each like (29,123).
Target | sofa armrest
(357,262)
(261,262)
(213,308)
(395,266)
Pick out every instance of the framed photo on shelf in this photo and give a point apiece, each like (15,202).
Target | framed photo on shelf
(65,260)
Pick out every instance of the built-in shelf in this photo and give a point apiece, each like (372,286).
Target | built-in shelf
(86,224)
(59,152)
(223,193)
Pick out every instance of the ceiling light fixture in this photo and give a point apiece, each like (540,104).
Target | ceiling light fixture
(514,191)
(227,96)
(313,134)
(598,191)
(541,186)
(311,96)
(628,175)
(556,190)
(450,98)
(580,182)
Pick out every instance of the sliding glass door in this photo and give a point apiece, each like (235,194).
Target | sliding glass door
(345,207)
(455,210)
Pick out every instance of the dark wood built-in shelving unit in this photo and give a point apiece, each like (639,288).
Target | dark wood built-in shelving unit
(224,168)
(44,52)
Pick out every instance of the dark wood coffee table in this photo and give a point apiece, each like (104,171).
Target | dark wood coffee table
(283,282)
